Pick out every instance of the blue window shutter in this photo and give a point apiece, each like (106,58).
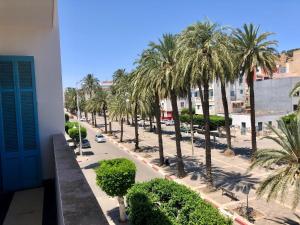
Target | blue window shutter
(10,134)
(6,75)
(25,74)
(28,121)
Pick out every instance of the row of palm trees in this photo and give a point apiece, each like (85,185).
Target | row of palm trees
(202,53)
(92,98)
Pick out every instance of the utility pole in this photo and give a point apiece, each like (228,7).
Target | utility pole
(78,121)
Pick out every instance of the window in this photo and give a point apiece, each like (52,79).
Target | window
(232,93)
(260,126)
(282,69)
(270,123)
(240,80)
(211,93)
(182,104)
(295,107)
(198,107)
(196,94)
(241,91)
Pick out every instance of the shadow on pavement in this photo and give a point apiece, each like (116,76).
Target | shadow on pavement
(285,220)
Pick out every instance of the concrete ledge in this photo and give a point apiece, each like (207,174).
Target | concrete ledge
(76,202)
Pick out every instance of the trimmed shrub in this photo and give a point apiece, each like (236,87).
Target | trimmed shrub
(67,117)
(165,202)
(69,125)
(115,177)
(288,118)
(215,121)
(74,133)
(186,111)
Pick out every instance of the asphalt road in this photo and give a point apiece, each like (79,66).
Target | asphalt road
(89,162)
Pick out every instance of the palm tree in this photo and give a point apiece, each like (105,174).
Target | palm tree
(90,84)
(70,99)
(117,110)
(285,178)
(149,83)
(166,50)
(203,55)
(227,75)
(254,50)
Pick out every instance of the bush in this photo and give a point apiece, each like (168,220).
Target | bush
(67,118)
(288,118)
(116,176)
(165,202)
(186,111)
(74,133)
(215,121)
(69,125)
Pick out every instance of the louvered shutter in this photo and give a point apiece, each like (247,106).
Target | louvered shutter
(19,148)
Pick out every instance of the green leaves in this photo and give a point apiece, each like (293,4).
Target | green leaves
(285,163)
(165,202)
(116,176)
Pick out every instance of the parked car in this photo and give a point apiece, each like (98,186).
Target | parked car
(169,122)
(85,143)
(163,121)
(100,138)
(83,119)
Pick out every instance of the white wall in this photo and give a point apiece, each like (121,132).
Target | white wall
(237,119)
(44,45)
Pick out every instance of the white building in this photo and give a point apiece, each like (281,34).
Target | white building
(272,101)
(31,97)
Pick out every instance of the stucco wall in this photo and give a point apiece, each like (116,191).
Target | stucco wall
(44,45)
(273,95)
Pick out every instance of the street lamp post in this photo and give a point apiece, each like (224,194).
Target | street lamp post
(78,119)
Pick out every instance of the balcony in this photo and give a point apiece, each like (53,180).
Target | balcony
(77,204)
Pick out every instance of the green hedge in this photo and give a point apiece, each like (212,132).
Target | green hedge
(187,111)
(116,176)
(215,121)
(287,119)
(74,133)
(165,202)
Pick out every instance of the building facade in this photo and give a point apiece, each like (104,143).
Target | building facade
(31,108)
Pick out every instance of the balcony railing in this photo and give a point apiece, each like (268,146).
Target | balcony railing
(76,202)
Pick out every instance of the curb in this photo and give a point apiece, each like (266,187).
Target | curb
(235,217)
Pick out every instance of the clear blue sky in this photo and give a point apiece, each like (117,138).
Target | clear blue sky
(100,36)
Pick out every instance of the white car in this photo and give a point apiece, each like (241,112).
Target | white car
(170,123)
(83,119)
(100,138)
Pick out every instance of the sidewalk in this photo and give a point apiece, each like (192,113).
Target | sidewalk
(229,172)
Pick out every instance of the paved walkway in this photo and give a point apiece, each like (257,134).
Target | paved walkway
(229,172)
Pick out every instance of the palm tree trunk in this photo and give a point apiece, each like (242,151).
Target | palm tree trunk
(207,134)
(105,119)
(136,127)
(150,122)
(127,119)
(95,119)
(110,130)
(226,114)
(191,117)
(180,165)
(86,115)
(159,134)
(252,114)
(122,130)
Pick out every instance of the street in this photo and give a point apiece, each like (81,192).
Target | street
(89,162)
